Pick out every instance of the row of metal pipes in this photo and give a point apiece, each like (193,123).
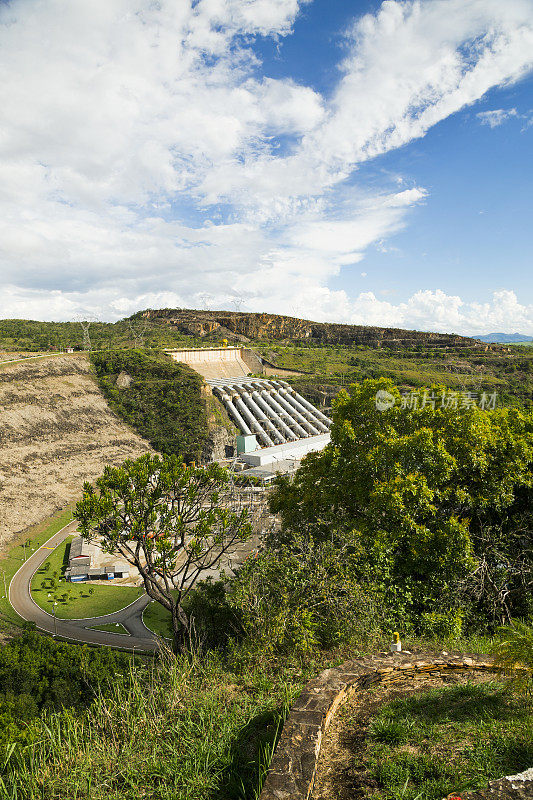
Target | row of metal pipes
(272,410)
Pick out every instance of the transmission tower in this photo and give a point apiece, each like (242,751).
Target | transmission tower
(206,301)
(85,321)
(138,329)
(237,302)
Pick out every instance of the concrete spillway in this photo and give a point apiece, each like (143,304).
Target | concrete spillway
(271,410)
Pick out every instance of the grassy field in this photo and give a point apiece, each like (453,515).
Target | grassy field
(110,627)
(158,619)
(15,554)
(454,738)
(182,729)
(77,600)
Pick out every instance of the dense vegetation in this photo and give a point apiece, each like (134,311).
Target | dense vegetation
(431,506)
(187,728)
(39,675)
(507,371)
(163,402)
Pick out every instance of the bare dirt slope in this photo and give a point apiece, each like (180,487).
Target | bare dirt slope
(56,431)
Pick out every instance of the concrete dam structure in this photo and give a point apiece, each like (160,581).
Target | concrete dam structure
(218,362)
(283,424)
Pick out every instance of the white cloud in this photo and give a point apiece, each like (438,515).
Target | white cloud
(145,159)
(497,116)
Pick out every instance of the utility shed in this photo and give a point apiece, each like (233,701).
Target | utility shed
(81,552)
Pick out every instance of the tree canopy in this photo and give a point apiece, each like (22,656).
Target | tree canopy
(424,489)
(174,523)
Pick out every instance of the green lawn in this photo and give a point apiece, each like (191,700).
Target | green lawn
(450,739)
(110,627)
(157,619)
(83,599)
(14,557)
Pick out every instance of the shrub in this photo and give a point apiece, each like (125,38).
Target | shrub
(304,595)
(442,625)
(513,653)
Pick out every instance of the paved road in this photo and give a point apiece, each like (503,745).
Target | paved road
(30,358)
(140,638)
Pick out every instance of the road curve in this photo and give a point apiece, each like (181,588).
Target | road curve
(140,637)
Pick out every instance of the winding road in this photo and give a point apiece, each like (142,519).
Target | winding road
(139,637)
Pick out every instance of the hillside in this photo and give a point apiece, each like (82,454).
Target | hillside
(329,355)
(163,401)
(275,327)
(56,431)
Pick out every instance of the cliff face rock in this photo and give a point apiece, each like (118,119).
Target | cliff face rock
(219,444)
(56,431)
(276,327)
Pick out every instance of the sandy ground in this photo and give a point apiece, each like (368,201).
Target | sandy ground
(56,431)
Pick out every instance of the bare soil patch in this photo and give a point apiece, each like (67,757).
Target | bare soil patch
(56,432)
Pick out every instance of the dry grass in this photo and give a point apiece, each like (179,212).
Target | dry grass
(56,431)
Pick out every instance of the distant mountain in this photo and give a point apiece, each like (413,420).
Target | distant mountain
(504,338)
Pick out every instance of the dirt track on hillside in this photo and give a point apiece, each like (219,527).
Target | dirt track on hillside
(56,431)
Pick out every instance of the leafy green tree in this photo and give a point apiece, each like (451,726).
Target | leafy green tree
(416,486)
(174,523)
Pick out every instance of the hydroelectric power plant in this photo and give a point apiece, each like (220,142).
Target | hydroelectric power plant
(277,426)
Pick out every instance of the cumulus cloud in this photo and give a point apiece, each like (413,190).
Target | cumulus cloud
(146,159)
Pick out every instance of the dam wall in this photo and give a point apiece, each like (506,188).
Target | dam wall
(218,362)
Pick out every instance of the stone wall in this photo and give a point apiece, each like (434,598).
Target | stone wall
(292,771)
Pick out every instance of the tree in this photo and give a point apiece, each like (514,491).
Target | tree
(418,485)
(173,522)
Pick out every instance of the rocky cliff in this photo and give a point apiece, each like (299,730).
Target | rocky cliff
(56,431)
(243,326)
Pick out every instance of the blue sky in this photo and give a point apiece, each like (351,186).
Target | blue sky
(361,162)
